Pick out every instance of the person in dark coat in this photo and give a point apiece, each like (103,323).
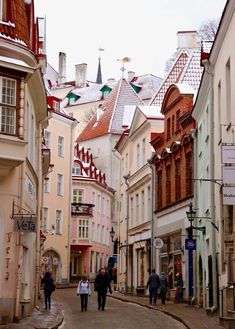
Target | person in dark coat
(49,287)
(153,284)
(102,285)
(163,287)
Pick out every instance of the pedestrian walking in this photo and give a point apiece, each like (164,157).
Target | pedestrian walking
(179,288)
(102,285)
(83,289)
(49,287)
(163,287)
(153,284)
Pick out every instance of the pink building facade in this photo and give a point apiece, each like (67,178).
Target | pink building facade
(91,211)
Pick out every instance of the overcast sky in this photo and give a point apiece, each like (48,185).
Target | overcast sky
(145,31)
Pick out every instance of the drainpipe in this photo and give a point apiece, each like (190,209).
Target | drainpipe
(209,71)
(126,177)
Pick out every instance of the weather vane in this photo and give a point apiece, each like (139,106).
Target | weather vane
(100,50)
(124,60)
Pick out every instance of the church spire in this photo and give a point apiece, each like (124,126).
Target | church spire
(99,74)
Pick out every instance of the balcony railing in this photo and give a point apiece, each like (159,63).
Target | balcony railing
(81,209)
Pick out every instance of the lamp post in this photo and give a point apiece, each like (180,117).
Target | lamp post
(190,244)
(116,241)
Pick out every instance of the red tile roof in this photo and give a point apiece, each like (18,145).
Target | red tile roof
(111,119)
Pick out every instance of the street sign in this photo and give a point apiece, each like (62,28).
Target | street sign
(228,154)
(157,243)
(25,223)
(229,195)
(190,244)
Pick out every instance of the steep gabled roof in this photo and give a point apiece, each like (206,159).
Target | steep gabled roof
(186,69)
(110,119)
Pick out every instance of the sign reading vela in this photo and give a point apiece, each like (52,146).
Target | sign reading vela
(25,223)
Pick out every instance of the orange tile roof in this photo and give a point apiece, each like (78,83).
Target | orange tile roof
(111,118)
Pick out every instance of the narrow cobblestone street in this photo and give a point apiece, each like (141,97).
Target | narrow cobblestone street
(118,314)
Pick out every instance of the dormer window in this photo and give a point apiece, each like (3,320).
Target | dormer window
(56,106)
(7,106)
(76,170)
(105,91)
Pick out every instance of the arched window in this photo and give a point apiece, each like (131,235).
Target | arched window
(177,180)
(189,174)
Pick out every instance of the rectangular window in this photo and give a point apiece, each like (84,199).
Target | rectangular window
(58,223)
(168,128)
(93,199)
(189,174)
(45,219)
(143,151)
(59,184)
(177,119)
(126,163)
(83,228)
(47,138)
(138,156)
(108,210)
(47,185)
(132,212)
(173,125)
(78,196)
(102,234)
(168,185)
(219,110)
(99,203)
(159,189)
(177,180)
(8,106)
(137,208)
(93,231)
(149,203)
(76,170)
(142,207)
(228,92)
(98,233)
(61,146)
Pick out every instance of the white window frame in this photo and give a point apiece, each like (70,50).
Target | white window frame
(47,185)
(58,222)
(47,138)
(83,228)
(60,184)
(45,219)
(78,195)
(60,144)
(8,107)
(76,170)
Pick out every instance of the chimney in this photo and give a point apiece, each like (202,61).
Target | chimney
(62,68)
(80,75)
(131,75)
(187,39)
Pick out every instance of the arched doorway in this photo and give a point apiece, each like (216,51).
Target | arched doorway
(51,262)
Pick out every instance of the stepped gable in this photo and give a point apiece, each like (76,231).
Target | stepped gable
(186,69)
(17,21)
(109,115)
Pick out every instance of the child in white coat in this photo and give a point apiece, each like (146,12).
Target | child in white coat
(83,289)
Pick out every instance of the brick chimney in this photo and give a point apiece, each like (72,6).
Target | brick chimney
(62,68)
(187,39)
(80,75)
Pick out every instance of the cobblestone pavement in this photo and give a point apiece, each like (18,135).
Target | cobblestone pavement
(191,316)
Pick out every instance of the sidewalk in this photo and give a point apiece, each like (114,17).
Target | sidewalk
(191,316)
(40,319)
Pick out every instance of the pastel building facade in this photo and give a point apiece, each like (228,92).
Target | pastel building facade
(91,211)
(23,115)
(57,194)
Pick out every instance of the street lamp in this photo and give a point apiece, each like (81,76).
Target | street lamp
(190,244)
(112,234)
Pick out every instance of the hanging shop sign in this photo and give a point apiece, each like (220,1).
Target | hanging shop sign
(228,154)
(25,223)
(157,243)
(228,195)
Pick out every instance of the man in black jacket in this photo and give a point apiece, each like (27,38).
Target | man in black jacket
(102,284)
(153,284)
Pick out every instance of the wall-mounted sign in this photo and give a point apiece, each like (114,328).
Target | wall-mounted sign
(229,195)
(228,174)
(190,244)
(157,243)
(25,222)
(228,154)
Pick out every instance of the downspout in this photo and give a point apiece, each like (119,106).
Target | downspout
(73,126)
(127,228)
(209,71)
